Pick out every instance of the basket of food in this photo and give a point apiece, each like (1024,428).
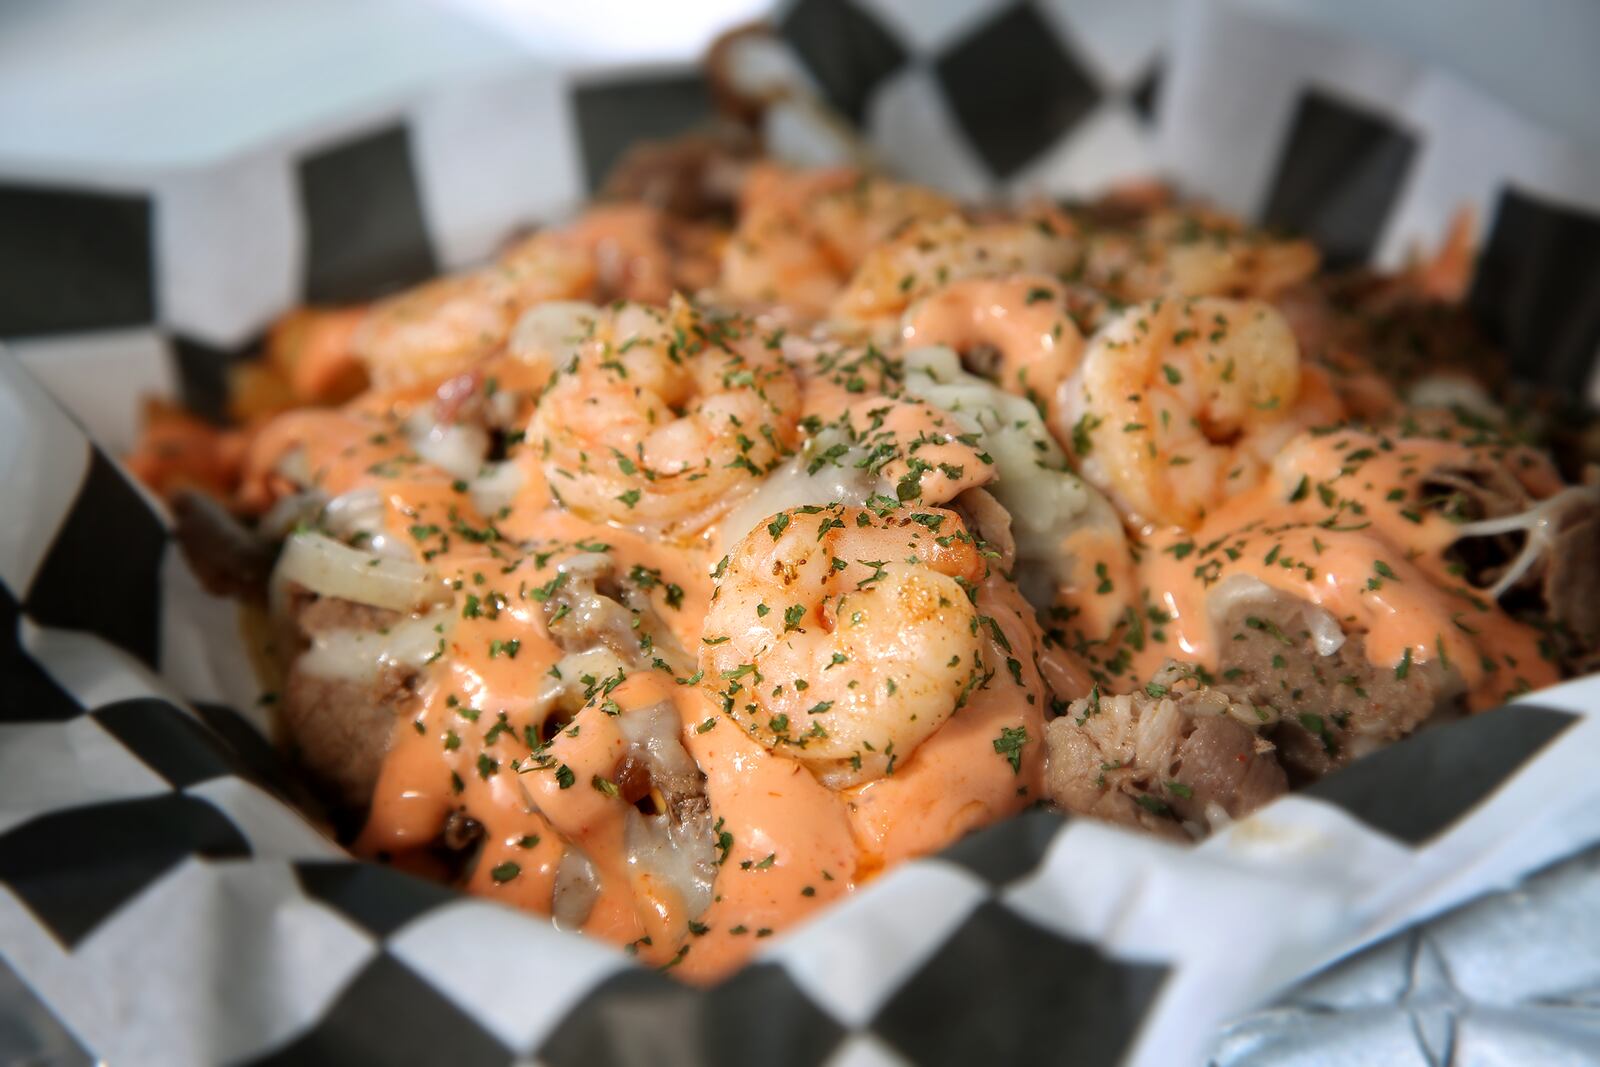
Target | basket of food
(1014,535)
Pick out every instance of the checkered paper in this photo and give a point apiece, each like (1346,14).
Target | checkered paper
(162,901)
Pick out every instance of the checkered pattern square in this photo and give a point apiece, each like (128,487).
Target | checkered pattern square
(1535,291)
(1339,173)
(365,232)
(77,258)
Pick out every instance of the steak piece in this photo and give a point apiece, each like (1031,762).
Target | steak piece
(1177,758)
(1326,707)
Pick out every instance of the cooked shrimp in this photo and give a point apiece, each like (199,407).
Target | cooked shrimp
(880,453)
(1183,403)
(801,234)
(1447,274)
(843,639)
(1013,332)
(760,264)
(906,451)
(935,252)
(834,374)
(661,419)
(853,220)
(310,349)
(178,451)
(1064,531)
(1195,252)
(618,251)
(639,253)
(444,327)
(1211,254)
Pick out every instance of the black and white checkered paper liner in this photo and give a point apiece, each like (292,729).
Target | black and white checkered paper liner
(160,900)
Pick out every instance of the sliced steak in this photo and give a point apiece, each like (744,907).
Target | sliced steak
(594,606)
(229,559)
(1327,707)
(1179,763)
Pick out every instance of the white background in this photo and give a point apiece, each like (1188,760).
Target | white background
(157,84)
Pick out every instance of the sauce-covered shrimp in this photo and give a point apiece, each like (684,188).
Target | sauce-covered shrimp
(844,639)
(443,327)
(1112,505)
(617,251)
(1013,331)
(1194,251)
(662,419)
(1182,403)
(801,234)
(932,253)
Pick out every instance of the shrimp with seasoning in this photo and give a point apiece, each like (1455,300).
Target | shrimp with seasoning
(834,374)
(932,253)
(880,453)
(444,327)
(1013,332)
(616,251)
(1182,403)
(1067,535)
(1190,252)
(801,234)
(1111,505)
(661,419)
(843,639)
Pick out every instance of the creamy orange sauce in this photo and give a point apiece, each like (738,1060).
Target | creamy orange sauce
(1333,508)
(1100,583)
(1022,318)
(1338,511)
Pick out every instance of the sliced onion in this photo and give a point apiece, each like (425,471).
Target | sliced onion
(1238,589)
(360,512)
(457,447)
(329,568)
(792,486)
(1327,637)
(496,487)
(548,331)
(1540,522)
(362,656)
(290,511)
(562,690)
(1046,500)
(502,407)
(295,466)
(675,849)
(577,886)
(1452,391)
(653,737)
(679,855)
